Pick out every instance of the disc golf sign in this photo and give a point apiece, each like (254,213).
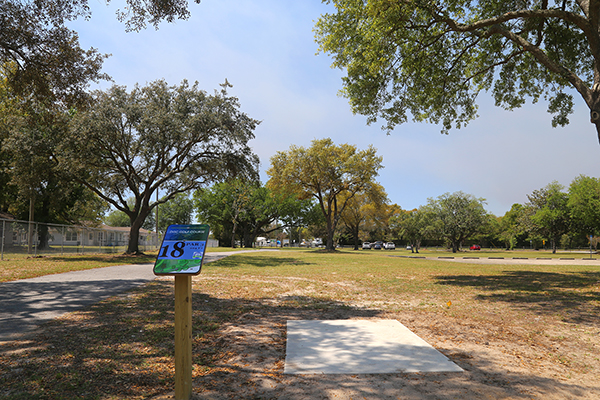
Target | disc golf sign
(181,255)
(182,250)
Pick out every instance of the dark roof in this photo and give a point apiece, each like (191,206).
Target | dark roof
(4,215)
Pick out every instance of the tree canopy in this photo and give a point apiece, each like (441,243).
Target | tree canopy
(331,174)
(172,138)
(246,209)
(584,204)
(429,60)
(549,213)
(361,207)
(32,183)
(43,58)
(414,226)
(40,56)
(177,211)
(456,216)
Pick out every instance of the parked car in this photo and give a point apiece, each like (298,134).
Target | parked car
(376,246)
(366,246)
(408,247)
(389,246)
(475,247)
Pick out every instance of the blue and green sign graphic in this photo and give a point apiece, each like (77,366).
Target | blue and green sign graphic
(182,250)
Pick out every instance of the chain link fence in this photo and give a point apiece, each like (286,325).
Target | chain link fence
(35,238)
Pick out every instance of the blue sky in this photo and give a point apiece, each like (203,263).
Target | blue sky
(266,49)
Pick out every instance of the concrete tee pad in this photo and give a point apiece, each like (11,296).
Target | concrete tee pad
(359,347)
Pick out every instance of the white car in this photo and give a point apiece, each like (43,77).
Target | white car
(389,246)
(366,246)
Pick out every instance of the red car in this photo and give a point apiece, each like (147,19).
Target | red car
(475,247)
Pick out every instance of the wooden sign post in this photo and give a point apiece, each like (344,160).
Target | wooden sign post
(181,255)
(183,337)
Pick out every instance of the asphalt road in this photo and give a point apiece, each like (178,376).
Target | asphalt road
(26,303)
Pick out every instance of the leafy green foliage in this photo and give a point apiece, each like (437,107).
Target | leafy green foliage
(47,58)
(430,60)
(363,208)
(119,219)
(40,56)
(414,226)
(246,209)
(331,174)
(584,203)
(549,213)
(511,230)
(176,138)
(178,210)
(456,216)
(31,134)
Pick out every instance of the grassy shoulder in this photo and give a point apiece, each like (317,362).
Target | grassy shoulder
(24,266)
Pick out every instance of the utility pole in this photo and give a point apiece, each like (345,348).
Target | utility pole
(30,233)
(157,234)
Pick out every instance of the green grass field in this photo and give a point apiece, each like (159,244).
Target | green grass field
(536,324)
(22,266)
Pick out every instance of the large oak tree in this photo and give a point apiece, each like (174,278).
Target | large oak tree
(456,216)
(170,138)
(331,174)
(549,213)
(428,60)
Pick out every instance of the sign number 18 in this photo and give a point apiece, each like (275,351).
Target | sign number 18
(176,252)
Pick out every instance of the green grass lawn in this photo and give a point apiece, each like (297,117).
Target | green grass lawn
(525,253)
(122,348)
(369,277)
(22,266)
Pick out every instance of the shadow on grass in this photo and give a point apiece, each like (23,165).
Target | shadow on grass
(235,260)
(574,295)
(123,348)
(107,259)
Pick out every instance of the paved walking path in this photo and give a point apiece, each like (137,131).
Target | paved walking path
(26,303)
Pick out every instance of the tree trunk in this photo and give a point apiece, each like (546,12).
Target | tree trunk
(134,232)
(43,233)
(248,237)
(44,237)
(134,238)
(356,241)
(330,229)
(233,235)
(330,245)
